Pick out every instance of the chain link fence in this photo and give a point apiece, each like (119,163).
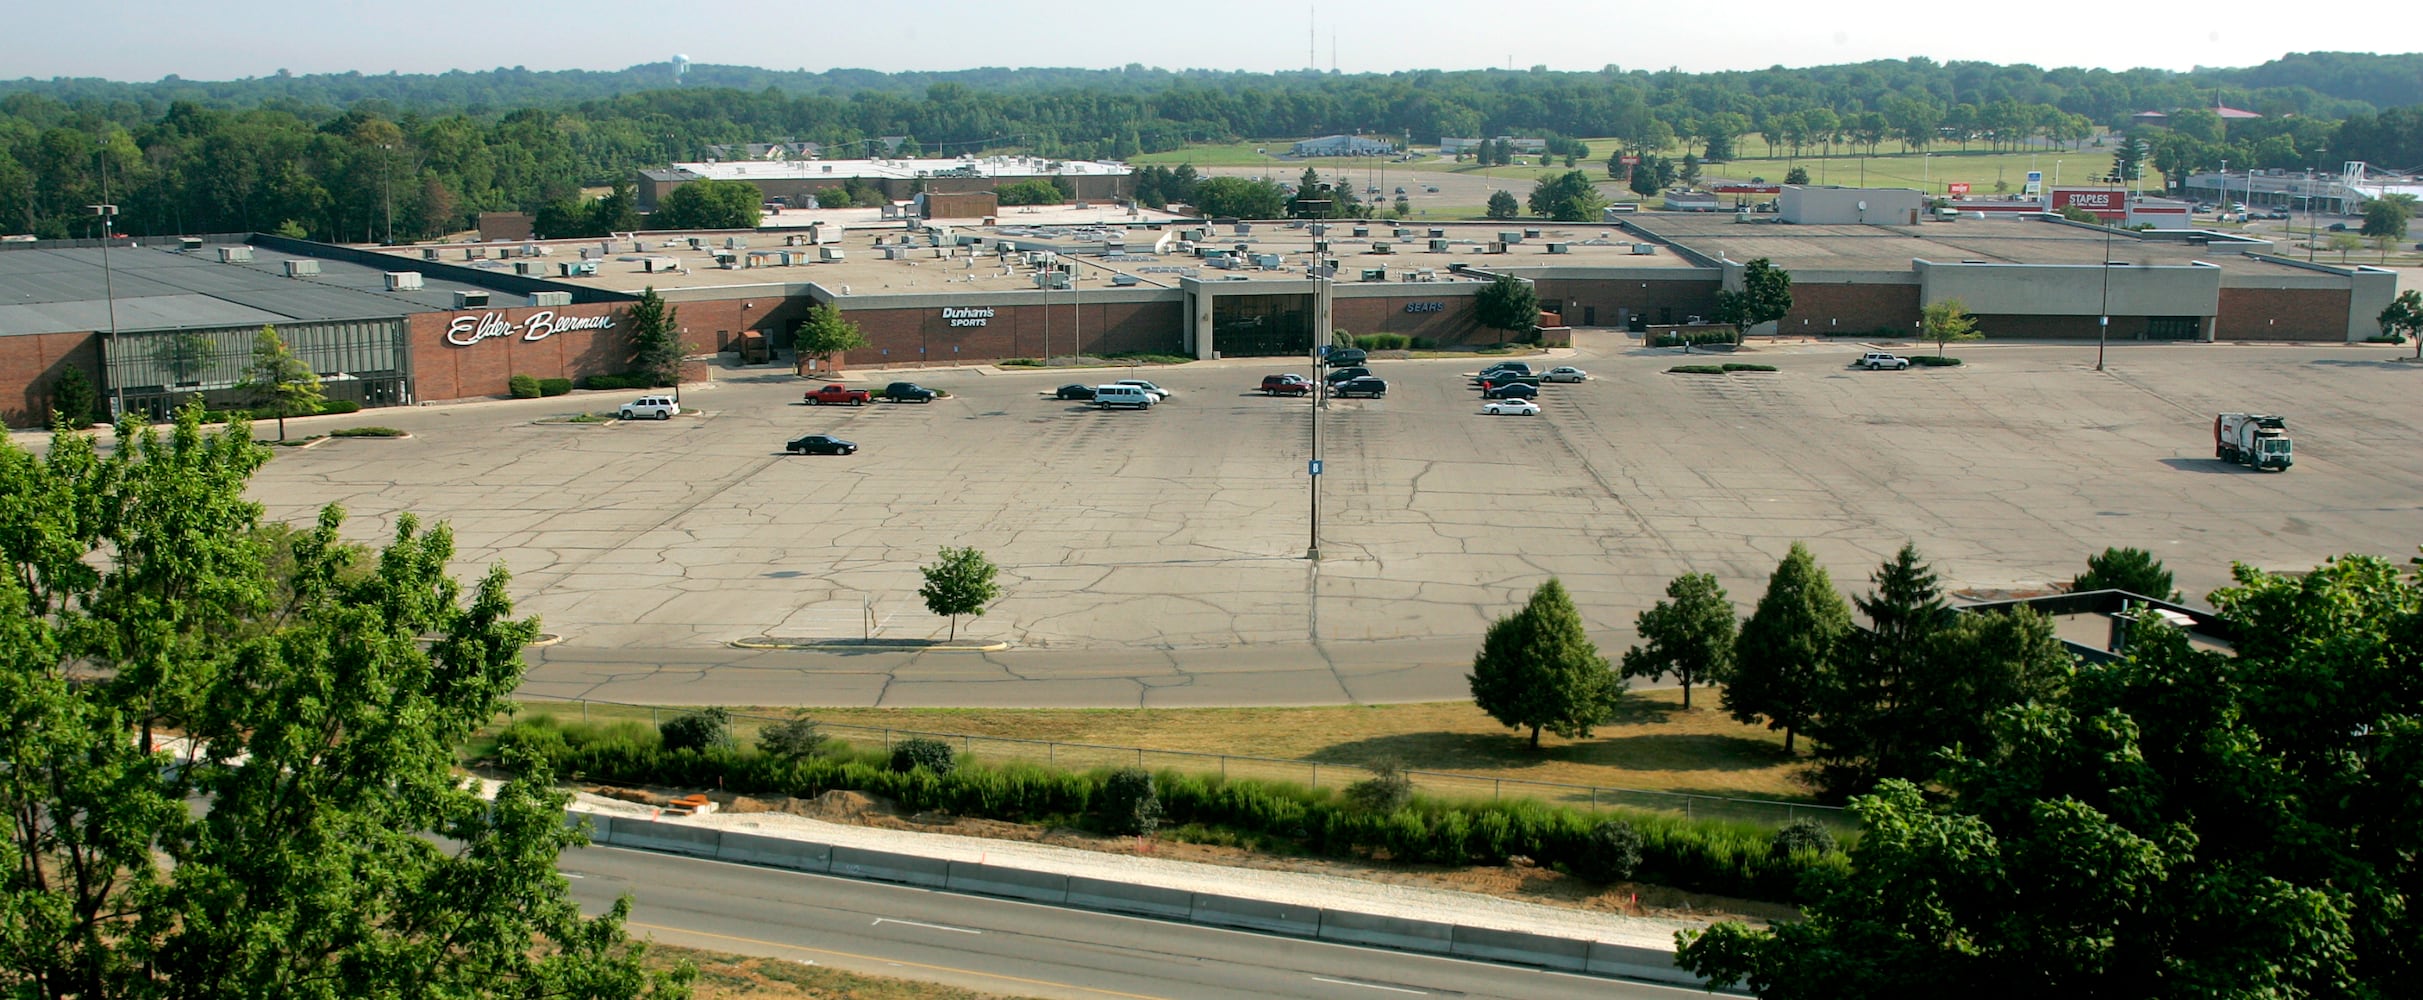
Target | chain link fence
(1311,774)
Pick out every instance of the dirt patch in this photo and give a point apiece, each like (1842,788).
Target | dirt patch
(1519,879)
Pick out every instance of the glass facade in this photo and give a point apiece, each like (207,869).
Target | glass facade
(155,371)
(1262,325)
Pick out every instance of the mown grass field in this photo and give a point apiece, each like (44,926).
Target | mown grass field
(1654,744)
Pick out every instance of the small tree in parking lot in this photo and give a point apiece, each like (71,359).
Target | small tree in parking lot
(1509,304)
(825,333)
(1947,322)
(960,582)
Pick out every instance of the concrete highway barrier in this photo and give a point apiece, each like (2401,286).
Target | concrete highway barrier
(1011,883)
(774,852)
(1398,933)
(670,838)
(884,866)
(1256,915)
(1564,954)
(1134,900)
(1635,962)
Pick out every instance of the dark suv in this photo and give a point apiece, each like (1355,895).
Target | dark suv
(908,392)
(1364,386)
(1337,375)
(1342,356)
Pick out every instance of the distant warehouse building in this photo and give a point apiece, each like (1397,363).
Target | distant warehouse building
(1342,145)
(795,182)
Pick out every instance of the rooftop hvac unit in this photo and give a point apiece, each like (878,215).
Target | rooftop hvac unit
(1560,248)
(1382,248)
(1123,280)
(1510,236)
(1320,229)
(556,299)
(1494,248)
(428,253)
(235,255)
(1363,231)
(403,281)
(698,243)
(525,268)
(1438,246)
(533,250)
(470,300)
(189,244)
(1529,234)
(1644,249)
(829,253)
(1438,234)
(1404,233)
(302,268)
(1320,246)
(1375,274)
(734,243)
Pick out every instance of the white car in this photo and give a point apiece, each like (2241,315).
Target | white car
(1159,394)
(1566,373)
(1880,360)
(1511,408)
(650,408)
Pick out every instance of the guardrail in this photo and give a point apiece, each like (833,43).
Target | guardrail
(1444,784)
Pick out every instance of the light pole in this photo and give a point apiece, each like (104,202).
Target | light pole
(109,291)
(2103,321)
(387,189)
(1320,401)
(2223,207)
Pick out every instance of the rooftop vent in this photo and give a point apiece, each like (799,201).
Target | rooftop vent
(551,298)
(470,300)
(302,268)
(235,255)
(403,281)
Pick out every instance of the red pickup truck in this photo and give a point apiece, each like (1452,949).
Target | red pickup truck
(838,393)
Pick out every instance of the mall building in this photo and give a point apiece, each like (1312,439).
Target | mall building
(153,323)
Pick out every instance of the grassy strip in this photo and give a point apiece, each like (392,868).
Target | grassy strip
(1696,370)
(1930,361)
(366,432)
(1725,858)
(723,976)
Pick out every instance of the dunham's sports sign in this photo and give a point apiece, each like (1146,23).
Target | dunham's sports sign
(471,328)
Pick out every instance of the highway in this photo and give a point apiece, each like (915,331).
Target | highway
(1022,949)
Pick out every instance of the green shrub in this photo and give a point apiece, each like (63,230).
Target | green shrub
(1386,791)
(1694,338)
(1129,805)
(2386,338)
(1800,835)
(334,406)
(522,387)
(615,382)
(932,755)
(1613,854)
(366,432)
(1736,366)
(1696,370)
(1149,358)
(1424,343)
(1931,361)
(1383,341)
(705,729)
(1021,363)
(554,386)
(790,739)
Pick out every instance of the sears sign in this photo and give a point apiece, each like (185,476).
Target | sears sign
(1425,307)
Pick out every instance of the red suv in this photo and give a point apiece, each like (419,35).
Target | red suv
(1286,385)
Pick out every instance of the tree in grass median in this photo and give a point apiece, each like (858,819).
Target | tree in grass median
(960,582)
(278,381)
(1786,649)
(1502,206)
(1947,322)
(1689,636)
(1538,670)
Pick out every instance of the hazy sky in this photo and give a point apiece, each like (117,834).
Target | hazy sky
(146,40)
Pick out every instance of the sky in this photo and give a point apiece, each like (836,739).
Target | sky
(145,40)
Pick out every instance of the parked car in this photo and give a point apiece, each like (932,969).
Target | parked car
(1074,390)
(2338,227)
(1289,384)
(1340,357)
(837,393)
(1160,395)
(1565,373)
(1107,396)
(2277,213)
(1511,390)
(1496,372)
(1337,375)
(1400,190)
(1365,385)
(650,408)
(1511,408)
(908,392)
(820,444)
(1881,361)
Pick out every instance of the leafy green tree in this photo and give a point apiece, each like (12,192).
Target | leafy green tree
(283,841)
(960,582)
(656,348)
(824,333)
(1689,174)
(2131,569)
(2181,823)
(791,739)
(73,400)
(709,204)
(1796,175)
(1032,191)
(1785,653)
(1238,198)
(1502,206)
(1508,303)
(2388,216)
(278,381)
(839,196)
(2404,316)
(1650,176)
(1765,296)
(1947,322)
(702,730)
(2345,243)
(1537,669)
(1567,197)
(1689,636)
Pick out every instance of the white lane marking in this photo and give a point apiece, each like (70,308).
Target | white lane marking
(1369,986)
(574,875)
(880,921)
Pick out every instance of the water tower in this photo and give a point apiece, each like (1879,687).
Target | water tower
(681,68)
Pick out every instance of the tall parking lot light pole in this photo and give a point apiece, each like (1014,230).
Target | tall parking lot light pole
(109,291)
(1320,401)
(2103,321)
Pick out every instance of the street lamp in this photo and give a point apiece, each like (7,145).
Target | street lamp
(2103,320)
(1320,399)
(386,189)
(109,291)
(2223,207)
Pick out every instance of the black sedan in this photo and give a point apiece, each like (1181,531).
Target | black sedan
(1511,390)
(820,444)
(1074,390)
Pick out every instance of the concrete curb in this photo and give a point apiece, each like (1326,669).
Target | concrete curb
(916,645)
(1428,937)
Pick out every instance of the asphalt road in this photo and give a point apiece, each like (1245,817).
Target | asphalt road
(1022,949)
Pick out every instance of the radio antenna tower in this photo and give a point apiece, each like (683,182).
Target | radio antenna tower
(1312,52)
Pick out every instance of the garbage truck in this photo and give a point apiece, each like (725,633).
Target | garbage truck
(2253,439)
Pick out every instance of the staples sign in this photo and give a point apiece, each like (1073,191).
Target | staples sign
(467,330)
(2090,200)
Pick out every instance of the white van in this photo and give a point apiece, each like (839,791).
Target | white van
(1107,396)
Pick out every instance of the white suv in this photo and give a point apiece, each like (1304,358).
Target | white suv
(1874,360)
(651,407)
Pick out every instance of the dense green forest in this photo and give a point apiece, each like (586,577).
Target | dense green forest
(352,157)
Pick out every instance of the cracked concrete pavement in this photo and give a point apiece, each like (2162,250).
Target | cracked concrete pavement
(1156,557)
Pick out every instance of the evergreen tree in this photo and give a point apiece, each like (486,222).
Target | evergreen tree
(1867,727)
(1537,669)
(656,348)
(1690,635)
(1502,206)
(1785,653)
